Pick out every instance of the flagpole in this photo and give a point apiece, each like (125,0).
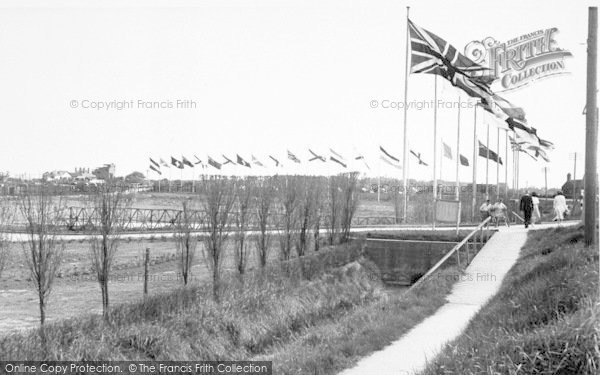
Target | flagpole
(458,152)
(404,151)
(487,163)
(475,152)
(505,164)
(434,146)
(498,162)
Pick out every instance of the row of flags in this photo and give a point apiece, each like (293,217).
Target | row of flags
(385,156)
(157,166)
(431,54)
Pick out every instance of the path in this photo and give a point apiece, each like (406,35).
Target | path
(482,280)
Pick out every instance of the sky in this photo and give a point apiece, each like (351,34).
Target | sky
(263,77)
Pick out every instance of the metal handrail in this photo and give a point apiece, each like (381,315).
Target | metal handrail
(455,249)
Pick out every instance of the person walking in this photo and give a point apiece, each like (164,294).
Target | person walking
(484,209)
(560,207)
(526,205)
(537,216)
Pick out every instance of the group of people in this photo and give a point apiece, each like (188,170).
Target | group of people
(529,205)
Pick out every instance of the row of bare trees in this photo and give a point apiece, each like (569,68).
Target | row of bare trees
(234,217)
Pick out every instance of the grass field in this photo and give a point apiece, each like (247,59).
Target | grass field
(544,320)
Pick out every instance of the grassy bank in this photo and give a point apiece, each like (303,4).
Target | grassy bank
(315,315)
(544,320)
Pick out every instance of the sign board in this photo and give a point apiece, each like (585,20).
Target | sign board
(447,211)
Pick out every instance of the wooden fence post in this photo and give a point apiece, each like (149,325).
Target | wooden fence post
(146,262)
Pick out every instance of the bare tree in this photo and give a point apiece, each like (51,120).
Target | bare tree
(288,198)
(244,191)
(349,203)
(219,197)
(264,198)
(43,251)
(185,241)
(306,207)
(110,205)
(334,209)
(6,219)
(318,211)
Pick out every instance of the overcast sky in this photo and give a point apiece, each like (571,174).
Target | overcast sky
(265,76)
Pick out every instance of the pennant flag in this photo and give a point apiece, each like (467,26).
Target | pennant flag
(186,162)
(483,152)
(243,162)
(447,151)
(213,163)
(155,163)
(255,161)
(336,160)
(337,156)
(275,160)
(155,169)
(292,157)
(164,163)
(463,160)
(176,163)
(227,160)
(389,158)
(315,156)
(418,156)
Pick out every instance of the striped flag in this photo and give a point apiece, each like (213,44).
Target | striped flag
(155,169)
(336,155)
(336,160)
(389,158)
(292,157)
(155,163)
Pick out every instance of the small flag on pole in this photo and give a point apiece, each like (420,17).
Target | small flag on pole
(164,163)
(176,163)
(186,162)
(463,160)
(198,161)
(447,151)
(214,163)
(275,160)
(336,160)
(227,160)
(155,163)
(389,158)
(243,162)
(315,156)
(483,152)
(155,169)
(255,161)
(292,157)
(418,156)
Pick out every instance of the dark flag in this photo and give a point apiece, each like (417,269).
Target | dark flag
(155,169)
(292,157)
(483,152)
(336,160)
(389,158)
(315,156)
(243,162)
(227,160)
(418,156)
(176,163)
(275,160)
(187,162)
(464,161)
(213,163)
(155,163)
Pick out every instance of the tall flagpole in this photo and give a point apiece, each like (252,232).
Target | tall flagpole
(404,151)
(498,162)
(475,152)
(505,164)
(591,131)
(434,146)
(487,163)
(458,152)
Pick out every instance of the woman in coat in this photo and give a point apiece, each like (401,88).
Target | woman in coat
(560,207)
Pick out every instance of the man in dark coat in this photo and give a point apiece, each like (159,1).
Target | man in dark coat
(526,206)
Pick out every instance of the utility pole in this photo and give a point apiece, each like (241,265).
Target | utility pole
(573,156)
(545,181)
(591,129)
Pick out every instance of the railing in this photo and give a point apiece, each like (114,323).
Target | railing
(481,231)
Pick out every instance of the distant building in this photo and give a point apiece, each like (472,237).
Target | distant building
(106,172)
(57,176)
(572,188)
